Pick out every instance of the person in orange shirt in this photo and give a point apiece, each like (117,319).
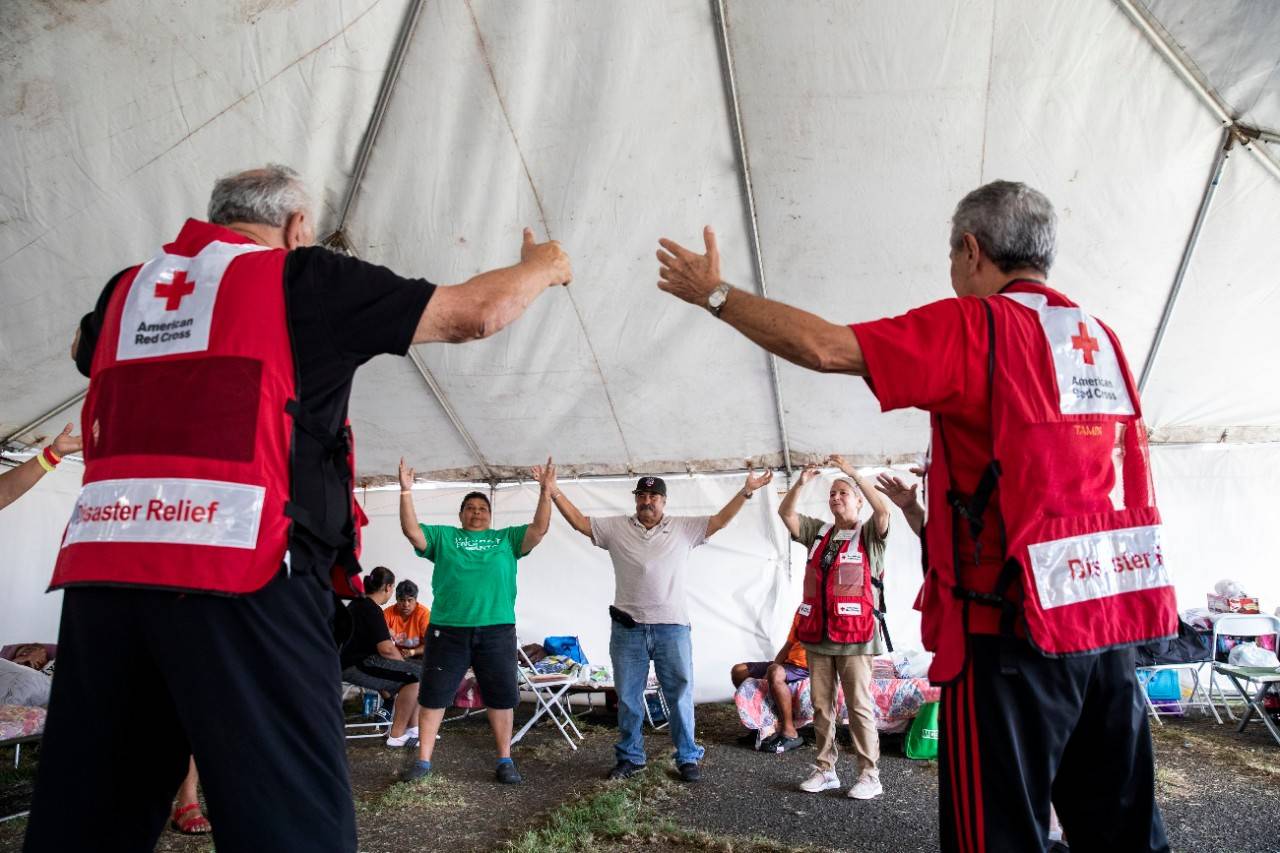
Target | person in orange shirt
(791,664)
(407,620)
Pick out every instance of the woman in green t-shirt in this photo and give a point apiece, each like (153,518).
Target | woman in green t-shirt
(473,588)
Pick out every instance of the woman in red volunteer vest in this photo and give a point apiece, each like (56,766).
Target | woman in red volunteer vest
(839,619)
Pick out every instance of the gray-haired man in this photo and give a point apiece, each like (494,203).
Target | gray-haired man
(217,512)
(1031,627)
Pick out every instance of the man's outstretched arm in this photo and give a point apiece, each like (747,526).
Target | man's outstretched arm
(798,336)
(491,301)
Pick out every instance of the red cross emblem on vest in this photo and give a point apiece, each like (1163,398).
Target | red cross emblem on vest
(173,292)
(1083,341)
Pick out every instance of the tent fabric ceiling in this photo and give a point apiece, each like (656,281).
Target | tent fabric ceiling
(607,125)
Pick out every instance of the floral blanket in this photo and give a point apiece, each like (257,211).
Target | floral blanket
(896,701)
(18,721)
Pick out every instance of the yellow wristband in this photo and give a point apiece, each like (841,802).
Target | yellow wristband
(44,463)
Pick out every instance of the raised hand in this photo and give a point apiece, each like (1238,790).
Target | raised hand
(66,443)
(406,476)
(686,274)
(754,482)
(546,476)
(548,256)
(810,471)
(838,461)
(896,490)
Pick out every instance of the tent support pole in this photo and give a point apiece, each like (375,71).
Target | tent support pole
(1215,175)
(1155,34)
(41,418)
(744,173)
(375,120)
(449,411)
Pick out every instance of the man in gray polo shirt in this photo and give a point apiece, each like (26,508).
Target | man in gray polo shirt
(650,553)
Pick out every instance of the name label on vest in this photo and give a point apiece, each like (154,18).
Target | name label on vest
(806,609)
(849,608)
(169,308)
(185,512)
(1098,565)
(1090,381)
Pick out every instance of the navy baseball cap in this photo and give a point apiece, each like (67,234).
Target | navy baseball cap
(653,485)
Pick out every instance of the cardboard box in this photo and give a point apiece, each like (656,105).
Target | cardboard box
(1234,604)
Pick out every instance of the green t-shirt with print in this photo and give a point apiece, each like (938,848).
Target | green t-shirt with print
(474,581)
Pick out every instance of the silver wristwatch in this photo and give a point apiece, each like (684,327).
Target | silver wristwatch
(716,300)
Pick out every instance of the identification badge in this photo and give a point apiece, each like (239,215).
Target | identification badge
(806,609)
(851,557)
(843,535)
(849,608)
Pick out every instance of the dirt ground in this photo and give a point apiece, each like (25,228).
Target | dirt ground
(1218,789)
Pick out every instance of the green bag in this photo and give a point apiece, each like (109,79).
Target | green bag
(922,740)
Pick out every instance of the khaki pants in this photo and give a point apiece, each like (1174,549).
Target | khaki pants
(854,672)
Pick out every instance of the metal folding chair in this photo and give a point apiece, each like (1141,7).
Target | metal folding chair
(1203,702)
(1250,682)
(379,721)
(549,696)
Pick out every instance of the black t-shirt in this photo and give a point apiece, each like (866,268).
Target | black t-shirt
(342,312)
(368,628)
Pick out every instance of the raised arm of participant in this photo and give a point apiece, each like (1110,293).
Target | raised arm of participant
(15,483)
(408,514)
(726,514)
(533,534)
(490,301)
(798,336)
(905,498)
(879,506)
(576,519)
(787,510)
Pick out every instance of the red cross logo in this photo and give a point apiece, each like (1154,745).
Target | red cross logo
(1082,341)
(172,292)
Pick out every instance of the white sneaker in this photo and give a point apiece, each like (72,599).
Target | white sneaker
(821,780)
(406,739)
(867,787)
(413,732)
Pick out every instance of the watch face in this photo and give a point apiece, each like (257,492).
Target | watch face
(716,299)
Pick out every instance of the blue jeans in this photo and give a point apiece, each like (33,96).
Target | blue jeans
(671,651)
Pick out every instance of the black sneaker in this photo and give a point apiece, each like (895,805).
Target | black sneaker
(507,773)
(415,771)
(690,771)
(770,744)
(624,770)
(786,744)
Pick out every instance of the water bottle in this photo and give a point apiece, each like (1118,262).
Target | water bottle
(370,703)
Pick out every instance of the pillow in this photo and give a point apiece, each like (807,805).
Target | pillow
(20,685)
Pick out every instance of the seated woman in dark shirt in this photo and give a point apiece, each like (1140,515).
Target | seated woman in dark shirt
(370,658)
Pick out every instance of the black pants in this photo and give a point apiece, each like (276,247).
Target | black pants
(489,650)
(1019,729)
(249,685)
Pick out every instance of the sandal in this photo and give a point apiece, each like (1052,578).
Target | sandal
(192,824)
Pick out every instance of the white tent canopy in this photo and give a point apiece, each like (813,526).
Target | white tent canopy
(827,142)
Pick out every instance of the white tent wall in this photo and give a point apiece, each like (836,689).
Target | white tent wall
(30,532)
(1218,502)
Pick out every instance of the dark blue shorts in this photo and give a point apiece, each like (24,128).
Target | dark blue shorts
(757,669)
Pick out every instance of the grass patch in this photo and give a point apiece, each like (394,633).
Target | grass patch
(430,792)
(1174,782)
(626,816)
(1221,751)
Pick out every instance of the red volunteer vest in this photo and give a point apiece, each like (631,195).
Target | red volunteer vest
(838,602)
(1062,402)
(186,435)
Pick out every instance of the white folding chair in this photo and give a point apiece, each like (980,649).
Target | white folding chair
(549,692)
(1244,678)
(1199,696)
